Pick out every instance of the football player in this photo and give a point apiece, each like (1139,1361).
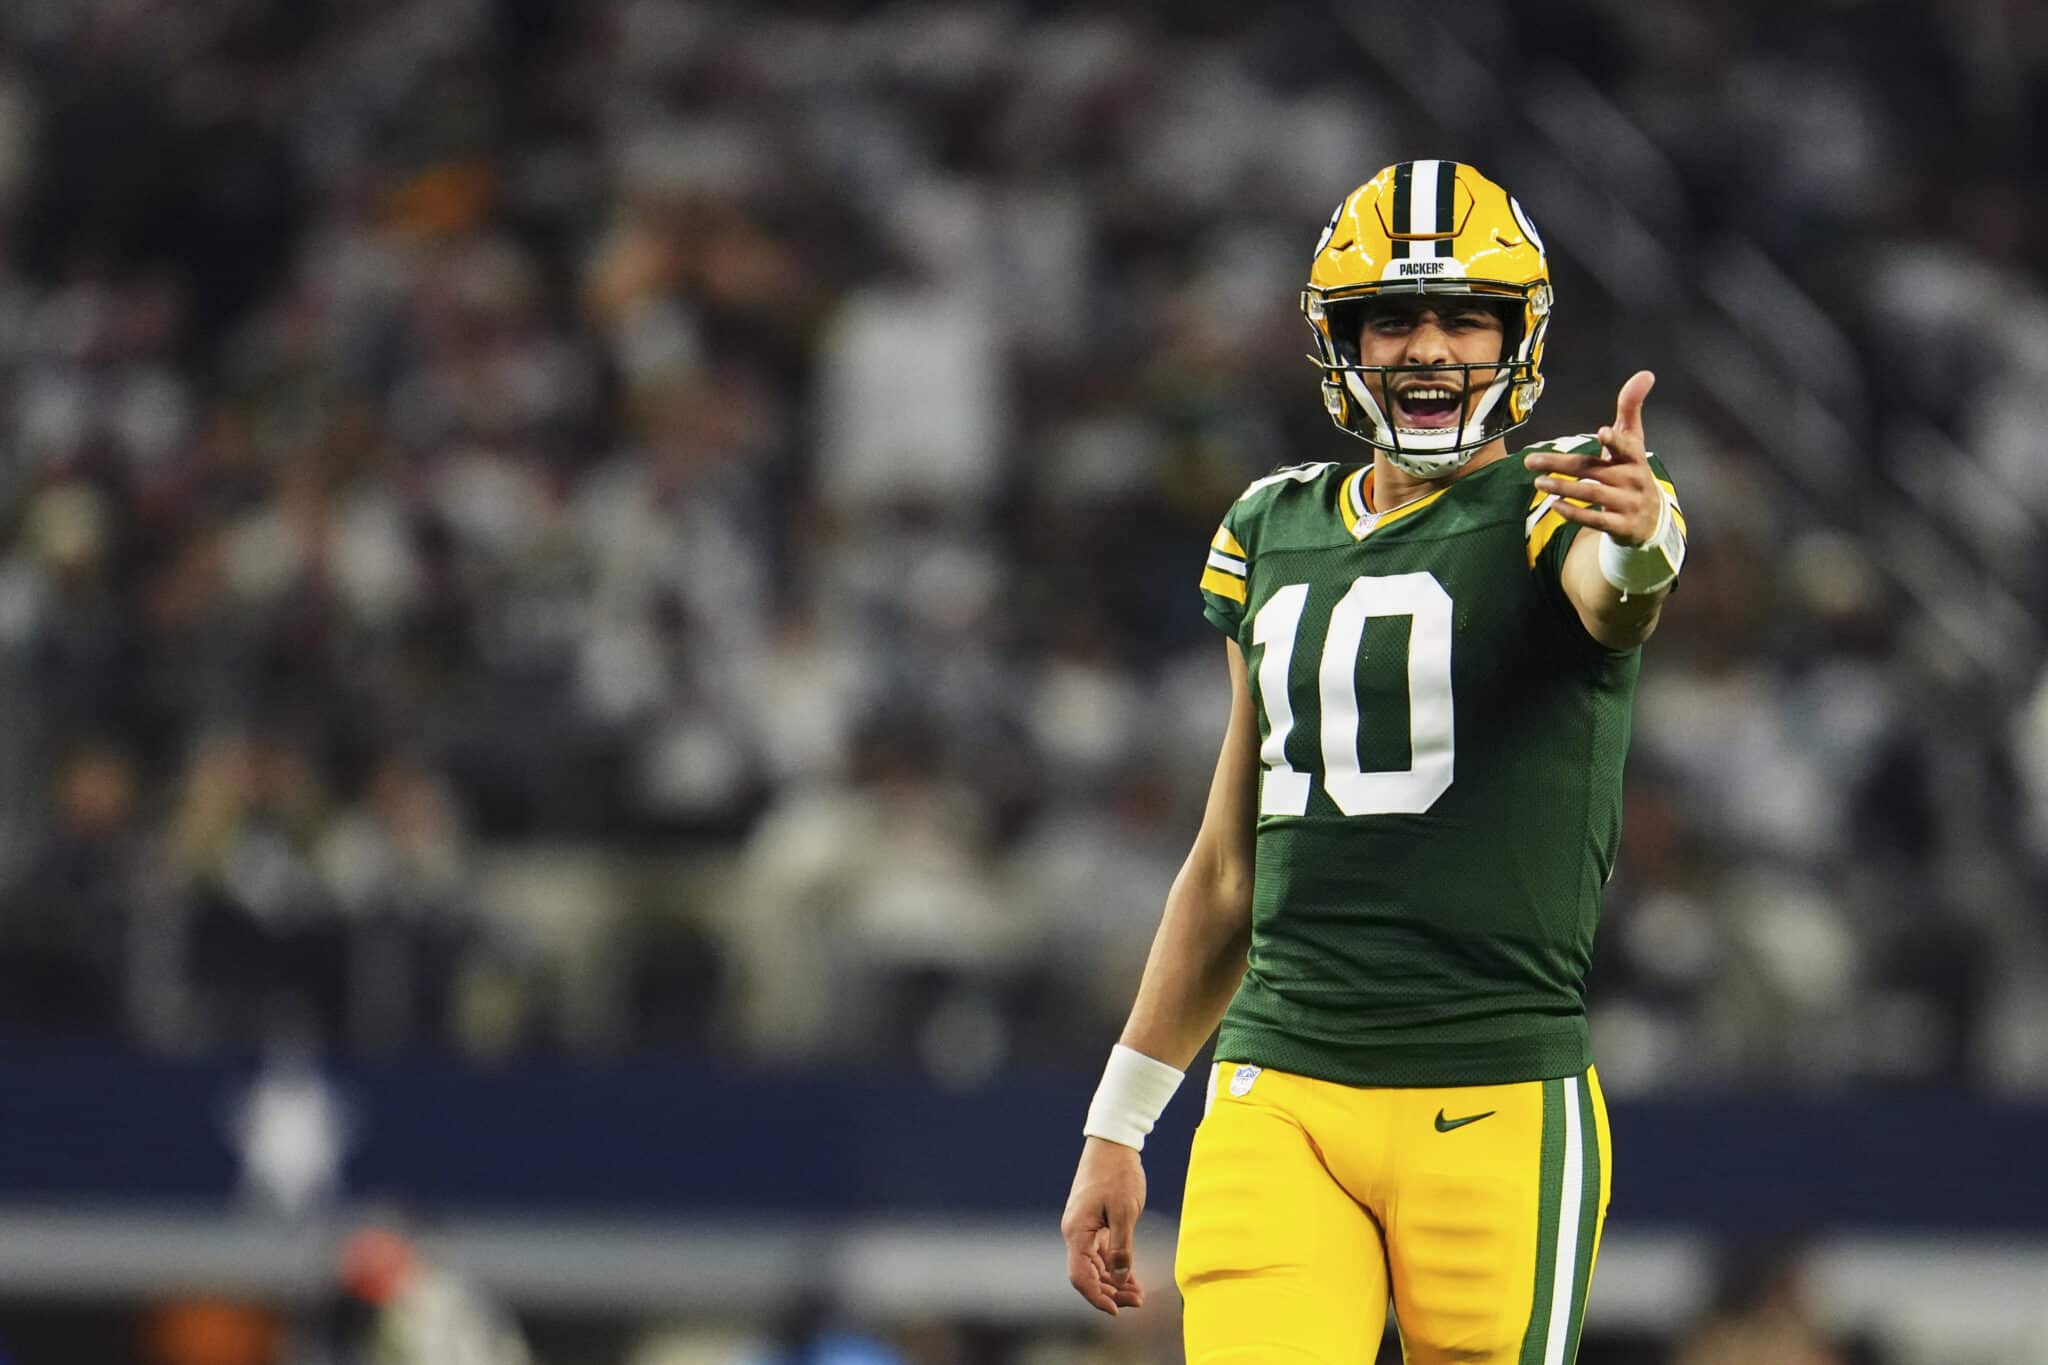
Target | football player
(1391,900)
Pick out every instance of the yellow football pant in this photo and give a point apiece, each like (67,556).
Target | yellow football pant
(1478,1209)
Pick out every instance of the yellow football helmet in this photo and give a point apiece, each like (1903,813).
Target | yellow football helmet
(1436,228)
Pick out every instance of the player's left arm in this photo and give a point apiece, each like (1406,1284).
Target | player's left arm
(1616,592)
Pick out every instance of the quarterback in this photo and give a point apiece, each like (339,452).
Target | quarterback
(1390,903)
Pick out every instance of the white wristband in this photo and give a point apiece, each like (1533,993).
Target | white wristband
(1133,1094)
(1648,567)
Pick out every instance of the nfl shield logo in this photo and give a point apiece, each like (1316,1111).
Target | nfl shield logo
(1241,1083)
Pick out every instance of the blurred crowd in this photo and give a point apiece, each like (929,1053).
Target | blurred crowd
(531,525)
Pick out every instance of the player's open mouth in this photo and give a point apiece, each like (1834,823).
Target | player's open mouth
(1426,405)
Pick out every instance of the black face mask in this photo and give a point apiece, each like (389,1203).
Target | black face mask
(1368,419)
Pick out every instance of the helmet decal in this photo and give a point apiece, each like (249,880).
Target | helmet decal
(1528,228)
(1330,228)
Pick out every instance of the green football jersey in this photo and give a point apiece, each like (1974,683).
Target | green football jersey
(1440,802)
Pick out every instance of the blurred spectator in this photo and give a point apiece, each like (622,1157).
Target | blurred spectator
(397,865)
(421,1313)
(1764,1313)
(64,918)
(861,909)
(265,937)
(213,1332)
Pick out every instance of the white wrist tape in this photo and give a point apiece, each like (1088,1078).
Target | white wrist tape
(1133,1094)
(1653,564)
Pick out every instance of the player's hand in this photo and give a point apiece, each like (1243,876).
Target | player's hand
(1102,1214)
(1618,482)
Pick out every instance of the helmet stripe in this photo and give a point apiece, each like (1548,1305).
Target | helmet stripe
(1446,204)
(1404,176)
(1422,201)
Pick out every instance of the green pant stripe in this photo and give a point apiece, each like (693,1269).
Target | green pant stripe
(1551,1186)
(1589,1216)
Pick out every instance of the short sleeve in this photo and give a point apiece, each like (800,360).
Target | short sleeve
(1670,491)
(1550,536)
(1224,575)
(1547,533)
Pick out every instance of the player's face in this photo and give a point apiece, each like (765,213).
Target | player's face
(1418,332)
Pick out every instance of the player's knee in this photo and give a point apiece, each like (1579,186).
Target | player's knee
(1471,1341)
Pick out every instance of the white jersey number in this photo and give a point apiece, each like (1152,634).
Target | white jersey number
(1432,749)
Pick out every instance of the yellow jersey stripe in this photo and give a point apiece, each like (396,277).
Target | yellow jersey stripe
(1227,543)
(1547,527)
(1543,527)
(1677,514)
(1223,585)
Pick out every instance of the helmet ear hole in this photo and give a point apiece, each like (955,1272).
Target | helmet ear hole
(1345,318)
(1509,311)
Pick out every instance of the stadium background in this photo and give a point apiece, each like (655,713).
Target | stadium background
(599,652)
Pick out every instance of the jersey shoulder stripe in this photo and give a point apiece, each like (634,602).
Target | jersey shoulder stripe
(1224,574)
(1228,566)
(1585,443)
(1300,473)
(1545,521)
(1677,512)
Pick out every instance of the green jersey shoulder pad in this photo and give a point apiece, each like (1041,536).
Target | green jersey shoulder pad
(1236,540)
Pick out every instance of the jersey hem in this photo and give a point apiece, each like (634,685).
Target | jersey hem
(1543,1054)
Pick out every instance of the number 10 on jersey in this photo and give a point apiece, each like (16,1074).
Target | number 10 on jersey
(1409,791)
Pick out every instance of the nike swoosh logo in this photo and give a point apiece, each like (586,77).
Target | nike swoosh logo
(1444,1125)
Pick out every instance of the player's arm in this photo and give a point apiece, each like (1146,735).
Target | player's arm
(1198,953)
(1616,619)
(1196,963)
(1616,581)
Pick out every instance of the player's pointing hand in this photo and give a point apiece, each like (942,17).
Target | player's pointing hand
(1617,485)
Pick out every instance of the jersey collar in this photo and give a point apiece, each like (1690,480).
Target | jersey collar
(1354,498)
